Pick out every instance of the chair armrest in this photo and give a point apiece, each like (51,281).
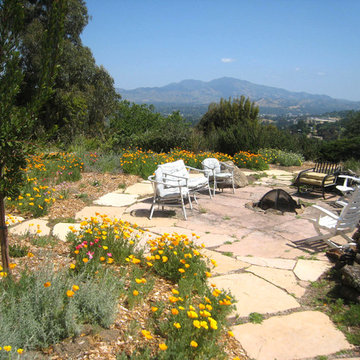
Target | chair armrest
(175,176)
(151,179)
(229,167)
(196,169)
(325,211)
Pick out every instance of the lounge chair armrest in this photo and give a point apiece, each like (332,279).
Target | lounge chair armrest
(175,176)
(227,166)
(325,211)
(151,179)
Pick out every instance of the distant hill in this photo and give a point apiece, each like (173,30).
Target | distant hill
(271,100)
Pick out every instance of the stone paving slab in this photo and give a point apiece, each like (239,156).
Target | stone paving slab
(111,212)
(115,199)
(284,279)
(254,294)
(225,264)
(34,227)
(285,264)
(61,230)
(299,335)
(262,244)
(143,221)
(143,188)
(310,270)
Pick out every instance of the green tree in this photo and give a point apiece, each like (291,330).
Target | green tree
(83,96)
(17,122)
(136,125)
(231,125)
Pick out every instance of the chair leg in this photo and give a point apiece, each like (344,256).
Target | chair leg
(233,185)
(183,207)
(152,208)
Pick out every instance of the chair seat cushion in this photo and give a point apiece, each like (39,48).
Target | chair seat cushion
(223,176)
(317,182)
(197,182)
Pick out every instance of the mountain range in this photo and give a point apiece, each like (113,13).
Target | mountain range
(271,100)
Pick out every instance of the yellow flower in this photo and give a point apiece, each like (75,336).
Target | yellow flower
(163,346)
(20,351)
(76,252)
(12,266)
(85,260)
(154,309)
(175,292)
(207,274)
(70,293)
(164,259)
(102,258)
(204,325)
(197,324)
(146,334)
(7,348)
(75,287)
(47,284)
(181,270)
(135,293)
(110,260)
(230,333)
(72,266)
(194,344)
(192,314)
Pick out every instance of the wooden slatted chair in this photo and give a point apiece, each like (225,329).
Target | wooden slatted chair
(321,177)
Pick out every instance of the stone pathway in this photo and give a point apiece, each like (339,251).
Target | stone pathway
(256,258)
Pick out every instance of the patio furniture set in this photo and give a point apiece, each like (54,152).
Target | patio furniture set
(175,183)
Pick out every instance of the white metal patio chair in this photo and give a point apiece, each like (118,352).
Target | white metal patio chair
(169,190)
(218,172)
(334,224)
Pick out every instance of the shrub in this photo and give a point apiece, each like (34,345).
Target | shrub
(52,306)
(244,159)
(283,158)
(101,241)
(175,257)
(289,159)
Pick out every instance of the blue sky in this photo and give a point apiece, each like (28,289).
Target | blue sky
(298,45)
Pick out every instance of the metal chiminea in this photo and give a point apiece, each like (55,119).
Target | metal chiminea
(278,199)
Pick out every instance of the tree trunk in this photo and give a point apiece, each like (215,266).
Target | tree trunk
(4,237)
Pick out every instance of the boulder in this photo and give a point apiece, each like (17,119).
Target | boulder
(240,179)
(350,276)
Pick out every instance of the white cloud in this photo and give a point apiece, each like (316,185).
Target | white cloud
(227,60)
(321,73)
(297,68)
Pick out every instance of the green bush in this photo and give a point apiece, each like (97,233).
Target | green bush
(289,159)
(44,307)
(283,158)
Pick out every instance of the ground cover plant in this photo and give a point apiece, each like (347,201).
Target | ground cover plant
(42,172)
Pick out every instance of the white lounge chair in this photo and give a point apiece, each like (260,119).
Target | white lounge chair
(334,224)
(173,184)
(169,190)
(213,169)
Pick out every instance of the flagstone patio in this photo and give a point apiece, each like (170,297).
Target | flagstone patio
(257,261)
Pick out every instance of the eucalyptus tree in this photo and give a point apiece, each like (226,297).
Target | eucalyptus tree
(18,121)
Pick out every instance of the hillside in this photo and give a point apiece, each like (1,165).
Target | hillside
(271,100)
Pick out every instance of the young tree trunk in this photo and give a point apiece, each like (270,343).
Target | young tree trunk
(4,237)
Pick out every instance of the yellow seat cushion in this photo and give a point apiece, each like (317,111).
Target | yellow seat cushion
(313,175)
